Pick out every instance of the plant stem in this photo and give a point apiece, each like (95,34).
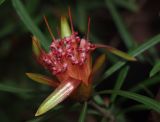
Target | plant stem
(107,114)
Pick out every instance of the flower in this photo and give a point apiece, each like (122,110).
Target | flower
(69,59)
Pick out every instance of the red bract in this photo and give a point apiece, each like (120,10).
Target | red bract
(69,59)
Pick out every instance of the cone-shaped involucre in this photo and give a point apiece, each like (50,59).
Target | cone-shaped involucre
(65,28)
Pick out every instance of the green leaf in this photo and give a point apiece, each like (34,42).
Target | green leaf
(83,113)
(57,96)
(151,103)
(1,1)
(81,13)
(143,85)
(20,9)
(145,46)
(155,69)
(147,90)
(137,107)
(13,89)
(147,83)
(42,79)
(121,77)
(124,33)
(130,4)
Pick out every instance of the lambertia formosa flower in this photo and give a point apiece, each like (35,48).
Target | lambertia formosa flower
(69,59)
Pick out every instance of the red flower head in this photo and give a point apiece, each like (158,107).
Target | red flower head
(69,59)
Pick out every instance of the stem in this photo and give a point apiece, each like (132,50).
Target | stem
(107,114)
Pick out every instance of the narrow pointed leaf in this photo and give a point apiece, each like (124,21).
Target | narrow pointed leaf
(57,96)
(131,5)
(65,29)
(25,17)
(98,63)
(120,80)
(137,51)
(14,89)
(120,24)
(83,113)
(137,107)
(147,83)
(42,79)
(149,102)
(155,69)
(117,52)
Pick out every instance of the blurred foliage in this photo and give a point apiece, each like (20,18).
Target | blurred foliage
(130,25)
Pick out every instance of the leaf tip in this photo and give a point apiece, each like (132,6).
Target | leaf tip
(42,110)
(28,74)
(117,52)
(132,58)
(38,113)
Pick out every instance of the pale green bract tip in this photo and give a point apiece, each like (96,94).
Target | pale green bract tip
(57,96)
(65,28)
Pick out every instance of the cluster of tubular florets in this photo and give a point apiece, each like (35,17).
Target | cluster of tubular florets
(72,49)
